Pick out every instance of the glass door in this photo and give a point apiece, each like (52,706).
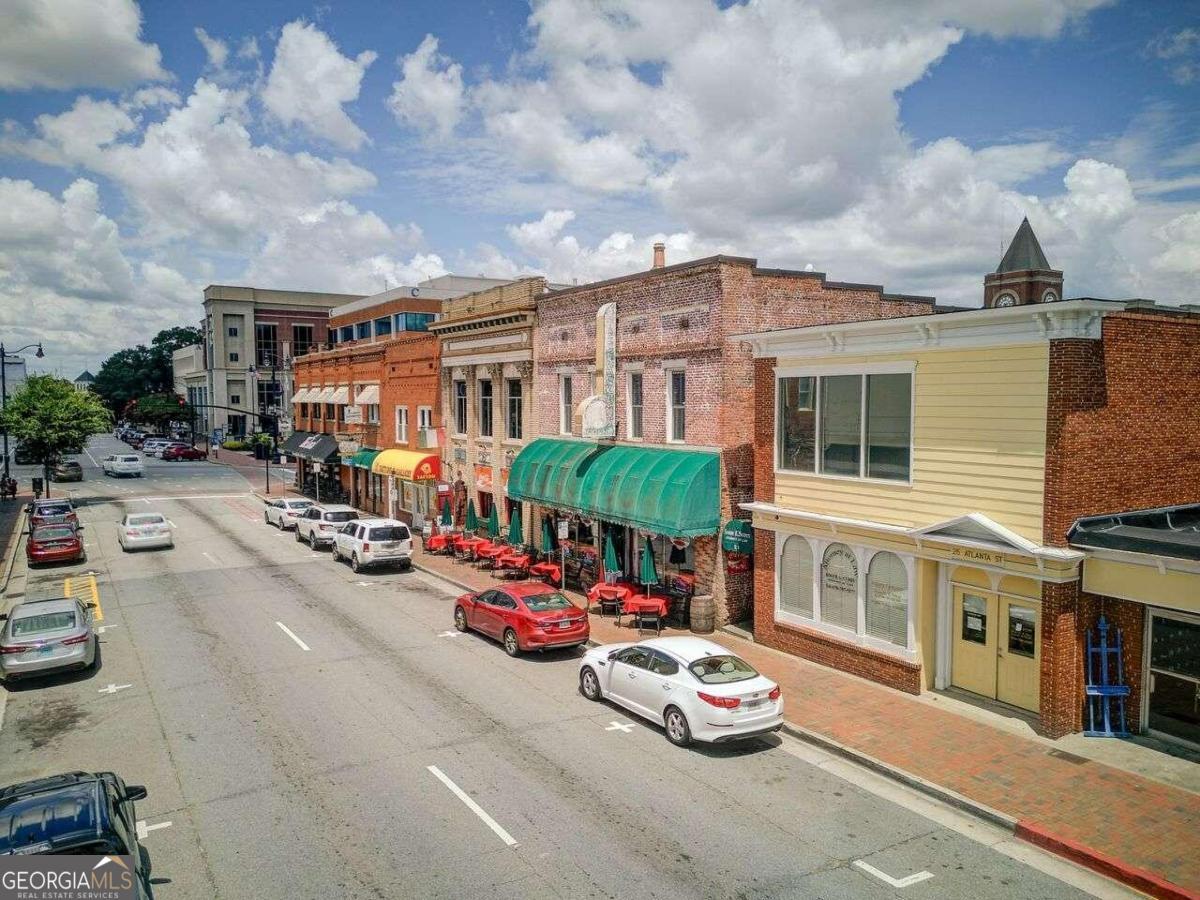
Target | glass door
(1174,705)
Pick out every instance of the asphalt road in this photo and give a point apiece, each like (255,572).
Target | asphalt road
(305,732)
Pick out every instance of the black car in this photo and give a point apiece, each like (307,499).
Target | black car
(67,470)
(24,457)
(75,813)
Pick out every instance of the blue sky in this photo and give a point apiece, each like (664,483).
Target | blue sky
(343,146)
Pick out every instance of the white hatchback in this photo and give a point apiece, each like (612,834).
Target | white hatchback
(374,542)
(284,512)
(694,688)
(144,531)
(123,464)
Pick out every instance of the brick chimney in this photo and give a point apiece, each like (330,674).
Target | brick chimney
(660,255)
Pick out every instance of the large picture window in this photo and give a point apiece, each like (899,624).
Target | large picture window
(460,407)
(566,406)
(515,429)
(887,599)
(839,587)
(485,408)
(856,426)
(635,405)
(796,577)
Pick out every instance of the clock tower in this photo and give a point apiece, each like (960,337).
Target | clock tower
(1024,275)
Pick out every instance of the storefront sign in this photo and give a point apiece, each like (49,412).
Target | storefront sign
(483,478)
(443,489)
(598,411)
(968,554)
(352,415)
(564,529)
(738,537)
(504,480)
(737,563)
(680,543)
(348,448)
(839,574)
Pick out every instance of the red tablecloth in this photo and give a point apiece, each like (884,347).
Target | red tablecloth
(513,561)
(640,603)
(493,552)
(608,592)
(548,569)
(438,542)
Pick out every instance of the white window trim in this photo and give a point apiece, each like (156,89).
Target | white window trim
(565,417)
(428,417)
(454,407)
(401,425)
(817,372)
(858,637)
(670,367)
(629,373)
(479,380)
(507,380)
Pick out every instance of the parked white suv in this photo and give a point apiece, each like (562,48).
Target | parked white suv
(123,464)
(154,446)
(374,542)
(319,523)
(284,513)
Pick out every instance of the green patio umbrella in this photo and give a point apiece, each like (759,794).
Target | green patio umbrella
(493,523)
(649,575)
(447,518)
(472,520)
(610,558)
(516,528)
(547,538)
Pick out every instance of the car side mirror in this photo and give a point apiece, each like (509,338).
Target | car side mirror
(3,617)
(613,654)
(136,792)
(91,604)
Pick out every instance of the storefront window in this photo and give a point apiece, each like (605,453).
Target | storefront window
(887,599)
(796,577)
(797,417)
(839,587)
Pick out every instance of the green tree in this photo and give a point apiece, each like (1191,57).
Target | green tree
(139,371)
(159,409)
(48,417)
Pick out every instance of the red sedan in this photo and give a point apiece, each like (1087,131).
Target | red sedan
(183,451)
(529,616)
(55,543)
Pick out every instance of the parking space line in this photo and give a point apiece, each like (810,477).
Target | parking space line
(904,882)
(292,635)
(473,806)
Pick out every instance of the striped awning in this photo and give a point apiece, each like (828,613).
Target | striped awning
(322,395)
(367,396)
(341,395)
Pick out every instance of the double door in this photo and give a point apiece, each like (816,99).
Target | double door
(996,646)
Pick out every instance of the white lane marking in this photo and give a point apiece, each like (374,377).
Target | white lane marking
(172,524)
(473,806)
(209,557)
(904,882)
(113,688)
(92,458)
(623,727)
(104,628)
(363,583)
(186,497)
(292,635)
(449,634)
(143,829)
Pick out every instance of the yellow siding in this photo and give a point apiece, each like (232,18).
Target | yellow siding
(979,444)
(1143,584)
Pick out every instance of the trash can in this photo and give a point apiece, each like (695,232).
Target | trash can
(260,452)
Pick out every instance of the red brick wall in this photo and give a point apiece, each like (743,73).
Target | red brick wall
(1130,619)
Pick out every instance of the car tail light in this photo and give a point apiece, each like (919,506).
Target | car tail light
(76,640)
(325,527)
(366,548)
(10,650)
(720,702)
(776,693)
(132,532)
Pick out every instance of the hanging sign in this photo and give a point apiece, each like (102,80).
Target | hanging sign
(680,543)
(738,537)
(737,563)
(352,415)
(564,529)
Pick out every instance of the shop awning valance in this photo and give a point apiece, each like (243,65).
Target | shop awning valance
(411,465)
(315,447)
(341,395)
(322,395)
(301,395)
(671,492)
(367,396)
(364,458)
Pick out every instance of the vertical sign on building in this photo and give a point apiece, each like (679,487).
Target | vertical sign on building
(598,412)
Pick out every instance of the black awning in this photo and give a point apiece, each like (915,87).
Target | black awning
(294,440)
(315,447)
(1166,531)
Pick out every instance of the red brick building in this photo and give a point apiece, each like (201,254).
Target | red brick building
(684,391)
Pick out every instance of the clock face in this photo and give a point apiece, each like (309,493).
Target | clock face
(1006,300)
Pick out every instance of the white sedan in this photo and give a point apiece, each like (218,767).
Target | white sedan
(695,689)
(284,512)
(144,531)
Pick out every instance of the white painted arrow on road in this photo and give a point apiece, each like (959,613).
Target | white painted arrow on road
(888,879)
(143,829)
(113,688)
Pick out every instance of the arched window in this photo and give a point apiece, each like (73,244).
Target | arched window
(839,587)
(796,577)
(887,599)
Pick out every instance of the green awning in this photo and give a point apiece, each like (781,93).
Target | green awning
(363,459)
(671,492)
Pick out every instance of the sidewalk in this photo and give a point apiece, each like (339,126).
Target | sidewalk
(1137,830)
(255,470)
(11,519)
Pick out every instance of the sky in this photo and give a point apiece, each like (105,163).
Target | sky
(149,150)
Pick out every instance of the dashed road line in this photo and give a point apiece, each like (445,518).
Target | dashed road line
(113,688)
(473,806)
(143,829)
(904,882)
(292,635)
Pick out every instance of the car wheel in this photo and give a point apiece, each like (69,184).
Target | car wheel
(678,732)
(266,518)
(511,647)
(354,566)
(406,565)
(333,553)
(460,618)
(589,684)
(299,537)
(312,541)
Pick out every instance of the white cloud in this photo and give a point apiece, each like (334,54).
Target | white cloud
(1179,52)
(75,43)
(215,48)
(1182,253)
(430,95)
(310,81)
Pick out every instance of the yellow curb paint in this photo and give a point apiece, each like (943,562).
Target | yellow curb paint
(86,590)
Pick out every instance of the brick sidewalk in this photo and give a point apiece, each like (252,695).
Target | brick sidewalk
(10,513)
(1106,818)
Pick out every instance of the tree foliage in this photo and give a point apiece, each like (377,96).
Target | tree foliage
(138,371)
(158,409)
(49,417)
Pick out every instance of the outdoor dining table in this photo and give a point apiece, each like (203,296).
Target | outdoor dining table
(469,545)
(609,595)
(641,606)
(438,542)
(549,570)
(518,562)
(491,552)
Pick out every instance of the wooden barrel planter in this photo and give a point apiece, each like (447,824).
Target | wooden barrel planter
(704,614)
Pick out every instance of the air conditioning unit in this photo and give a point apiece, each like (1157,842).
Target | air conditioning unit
(427,439)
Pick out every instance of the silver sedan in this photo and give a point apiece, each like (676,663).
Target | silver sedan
(144,531)
(47,636)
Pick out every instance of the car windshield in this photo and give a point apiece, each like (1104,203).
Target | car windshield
(298,504)
(129,459)
(340,516)
(722,669)
(145,520)
(546,602)
(44,622)
(389,533)
(53,509)
(53,534)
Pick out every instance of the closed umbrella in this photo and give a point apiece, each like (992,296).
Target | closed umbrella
(649,575)
(611,569)
(472,520)
(547,538)
(516,533)
(447,519)
(493,524)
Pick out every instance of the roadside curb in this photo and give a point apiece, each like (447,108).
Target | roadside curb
(15,541)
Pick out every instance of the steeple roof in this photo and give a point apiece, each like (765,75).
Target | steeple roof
(1024,252)
(87,376)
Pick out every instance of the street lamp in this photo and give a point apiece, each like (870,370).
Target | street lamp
(4,355)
